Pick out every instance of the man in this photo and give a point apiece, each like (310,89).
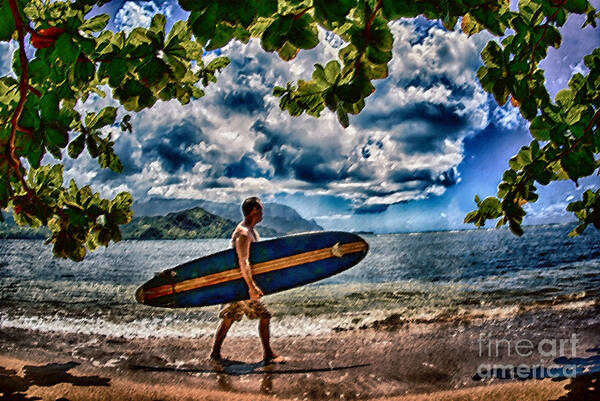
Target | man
(243,235)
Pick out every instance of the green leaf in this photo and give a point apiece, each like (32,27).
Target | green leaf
(303,33)
(492,55)
(577,6)
(529,108)
(218,64)
(565,98)
(331,11)
(38,70)
(540,129)
(116,68)
(377,56)
(288,51)
(578,230)
(66,49)
(153,69)
(579,164)
(515,227)
(332,71)
(470,26)
(84,71)
(501,92)
(49,106)
(157,25)
(575,113)
(471,217)
(106,117)
(490,207)
(76,146)
(343,118)
(222,35)
(8,26)
(203,23)
(394,9)
(95,24)
(349,93)
(57,138)
(275,36)
(382,39)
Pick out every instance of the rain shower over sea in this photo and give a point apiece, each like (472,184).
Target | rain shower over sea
(419,277)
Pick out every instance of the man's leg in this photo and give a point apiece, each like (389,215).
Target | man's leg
(263,331)
(220,337)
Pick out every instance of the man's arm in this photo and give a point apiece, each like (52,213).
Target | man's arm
(242,248)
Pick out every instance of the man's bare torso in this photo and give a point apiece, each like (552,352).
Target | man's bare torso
(241,229)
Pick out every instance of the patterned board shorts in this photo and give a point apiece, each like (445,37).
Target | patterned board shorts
(253,309)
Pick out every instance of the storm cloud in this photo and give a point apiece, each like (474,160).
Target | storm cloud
(235,141)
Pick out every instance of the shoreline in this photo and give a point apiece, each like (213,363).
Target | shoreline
(416,361)
(121,389)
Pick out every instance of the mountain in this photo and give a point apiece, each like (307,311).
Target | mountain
(279,218)
(188,224)
(10,230)
(193,223)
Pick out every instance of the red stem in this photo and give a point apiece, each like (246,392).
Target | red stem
(368,33)
(535,46)
(23,90)
(298,16)
(371,19)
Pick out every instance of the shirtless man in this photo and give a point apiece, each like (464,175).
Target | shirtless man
(243,235)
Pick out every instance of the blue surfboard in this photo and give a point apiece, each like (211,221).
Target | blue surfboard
(277,264)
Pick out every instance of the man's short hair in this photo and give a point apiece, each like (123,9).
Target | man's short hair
(249,204)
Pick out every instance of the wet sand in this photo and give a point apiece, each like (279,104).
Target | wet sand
(391,359)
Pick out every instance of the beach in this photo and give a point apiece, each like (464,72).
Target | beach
(425,316)
(391,359)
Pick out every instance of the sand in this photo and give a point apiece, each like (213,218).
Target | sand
(390,360)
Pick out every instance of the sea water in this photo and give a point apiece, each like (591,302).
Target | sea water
(417,277)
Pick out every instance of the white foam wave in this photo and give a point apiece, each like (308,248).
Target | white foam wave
(165,327)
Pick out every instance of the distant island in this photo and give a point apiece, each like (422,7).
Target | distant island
(281,219)
(189,224)
(192,223)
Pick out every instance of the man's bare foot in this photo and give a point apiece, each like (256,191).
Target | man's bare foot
(278,359)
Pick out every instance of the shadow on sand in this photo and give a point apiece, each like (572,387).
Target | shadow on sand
(225,369)
(239,368)
(583,375)
(13,386)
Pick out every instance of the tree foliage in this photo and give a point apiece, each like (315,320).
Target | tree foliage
(75,56)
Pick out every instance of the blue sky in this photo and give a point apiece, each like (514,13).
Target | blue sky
(428,140)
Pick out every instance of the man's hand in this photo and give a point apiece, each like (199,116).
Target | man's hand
(255,292)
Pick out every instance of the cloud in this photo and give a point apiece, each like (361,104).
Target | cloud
(508,116)
(6,56)
(133,14)
(235,141)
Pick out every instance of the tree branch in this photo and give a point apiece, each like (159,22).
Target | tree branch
(367,35)
(24,88)
(535,46)
(565,152)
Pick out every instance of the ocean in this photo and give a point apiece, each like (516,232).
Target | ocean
(419,277)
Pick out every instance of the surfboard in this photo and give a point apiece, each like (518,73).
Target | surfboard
(277,265)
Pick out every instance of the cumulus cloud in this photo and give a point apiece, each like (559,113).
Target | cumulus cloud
(133,14)
(508,116)
(405,145)
(6,55)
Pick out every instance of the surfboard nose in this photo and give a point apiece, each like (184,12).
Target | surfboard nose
(140,296)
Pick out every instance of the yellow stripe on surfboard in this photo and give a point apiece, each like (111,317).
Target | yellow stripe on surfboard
(260,268)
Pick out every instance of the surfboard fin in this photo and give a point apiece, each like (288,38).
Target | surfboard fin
(337,250)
